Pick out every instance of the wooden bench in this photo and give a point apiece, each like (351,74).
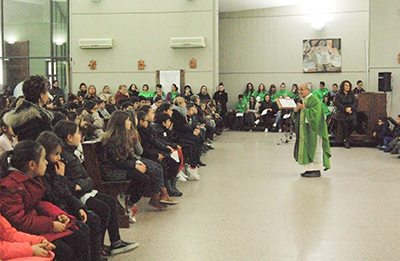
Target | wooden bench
(92,151)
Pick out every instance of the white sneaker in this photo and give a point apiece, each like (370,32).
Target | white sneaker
(280,130)
(286,116)
(181,177)
(266,130)
(194,174)
(274,125)
(257,122)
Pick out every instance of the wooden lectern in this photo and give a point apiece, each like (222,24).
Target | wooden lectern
(373,105)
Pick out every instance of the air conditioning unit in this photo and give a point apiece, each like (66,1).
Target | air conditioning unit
(96,43)
(188,42)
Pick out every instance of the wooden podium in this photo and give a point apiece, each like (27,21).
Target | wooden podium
(373,105)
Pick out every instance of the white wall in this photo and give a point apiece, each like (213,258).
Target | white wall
(266,45)
(385,48)
(142,30)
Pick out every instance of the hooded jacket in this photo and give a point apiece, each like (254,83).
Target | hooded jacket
(22,205)
(29,120)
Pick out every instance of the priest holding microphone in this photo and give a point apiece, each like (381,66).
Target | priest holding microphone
(312,149)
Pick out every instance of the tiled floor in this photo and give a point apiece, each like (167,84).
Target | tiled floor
(251,204)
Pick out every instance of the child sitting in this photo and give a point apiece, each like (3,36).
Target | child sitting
(81,186)
(58,193)
(7,139)
(22,190)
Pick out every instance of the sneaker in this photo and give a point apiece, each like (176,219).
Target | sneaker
(274,125)
(266,130)
(132,210)
(121,246)
(286,116)
(280,130)
(194,174)
(181,177)
(257,122)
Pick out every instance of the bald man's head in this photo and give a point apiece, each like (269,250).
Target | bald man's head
(304,89)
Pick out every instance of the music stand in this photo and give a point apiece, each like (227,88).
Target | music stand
(287,104)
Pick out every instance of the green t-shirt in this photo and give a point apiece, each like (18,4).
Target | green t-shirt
(293,96)
(241,106)
(147,94)
(326,109)
(321,93)
(281,93)
(273,96)
(261,95)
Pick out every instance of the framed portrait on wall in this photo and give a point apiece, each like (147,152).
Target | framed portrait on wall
(322,55)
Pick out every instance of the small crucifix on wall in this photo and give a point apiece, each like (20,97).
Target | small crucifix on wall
(193,63)
(93,65)
(141,64)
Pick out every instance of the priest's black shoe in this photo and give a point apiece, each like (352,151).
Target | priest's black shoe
(311,174)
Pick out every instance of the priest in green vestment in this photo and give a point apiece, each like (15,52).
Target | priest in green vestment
(312,149)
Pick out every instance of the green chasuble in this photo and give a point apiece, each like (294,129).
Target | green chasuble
(308,124)
(146,94)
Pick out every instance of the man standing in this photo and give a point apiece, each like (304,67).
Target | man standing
(312,148)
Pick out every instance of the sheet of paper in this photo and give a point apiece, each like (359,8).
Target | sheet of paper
(239,114)
(175,156)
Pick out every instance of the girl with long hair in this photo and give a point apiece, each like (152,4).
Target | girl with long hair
(58,193)
(81,186)
(22,186)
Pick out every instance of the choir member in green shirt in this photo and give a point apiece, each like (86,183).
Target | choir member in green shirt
(322,91)
(261,92)
(240,107)
(282,93)
(248,92)
(294,93)
(272,92)
(146,93)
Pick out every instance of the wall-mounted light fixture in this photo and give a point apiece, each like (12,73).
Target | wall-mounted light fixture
(318,26)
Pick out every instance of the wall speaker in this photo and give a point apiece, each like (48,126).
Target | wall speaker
(385,81)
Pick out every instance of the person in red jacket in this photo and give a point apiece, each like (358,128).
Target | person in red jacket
(15,244)
(21,192)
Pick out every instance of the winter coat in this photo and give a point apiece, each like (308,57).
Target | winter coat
(222,98)
(58,193)
(56,91)
(181,126)
(29,120)
(396,128)
(75,172)
(111,160)
(22,205)
(343,101)
(383,130)
(151,144)
(15,244)
(204,97)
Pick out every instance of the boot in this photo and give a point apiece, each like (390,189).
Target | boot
(164,197)
(171,191)
(173,185)
(155,202)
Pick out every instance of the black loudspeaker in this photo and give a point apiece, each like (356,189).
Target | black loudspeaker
(385,81)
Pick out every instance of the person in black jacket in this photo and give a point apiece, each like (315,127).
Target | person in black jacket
(30,119)
(81,186)
(382,133)
(203,94)
(346,104)
(392,148)
(186,136)
(58,193)
(221,98)
(155,150)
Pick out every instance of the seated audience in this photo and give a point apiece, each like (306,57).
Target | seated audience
(81,185)
(22,190)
